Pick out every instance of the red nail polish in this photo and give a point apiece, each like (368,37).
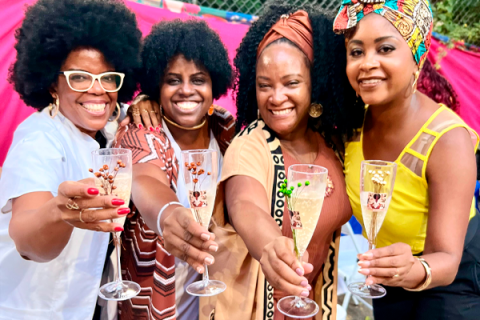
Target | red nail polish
(118,202)
(151,129)
(118,229)
(123,211)
(92,191)
(140,126)
(158,129)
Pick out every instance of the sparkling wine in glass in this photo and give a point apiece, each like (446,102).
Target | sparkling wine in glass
(200,173)
(304,191)
(377,179)
(113,176)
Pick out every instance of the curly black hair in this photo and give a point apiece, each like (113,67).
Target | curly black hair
(342,112)
(197,42)
(437,87)
(54,28)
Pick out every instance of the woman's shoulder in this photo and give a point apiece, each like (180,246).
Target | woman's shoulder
(40,132)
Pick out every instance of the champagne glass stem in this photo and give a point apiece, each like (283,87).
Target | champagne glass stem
(205,276)
(116,240)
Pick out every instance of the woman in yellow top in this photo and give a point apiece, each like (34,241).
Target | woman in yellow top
(424,238)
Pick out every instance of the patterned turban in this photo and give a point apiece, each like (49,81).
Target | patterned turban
(412,18)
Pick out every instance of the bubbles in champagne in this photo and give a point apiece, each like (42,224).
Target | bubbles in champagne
(308,207)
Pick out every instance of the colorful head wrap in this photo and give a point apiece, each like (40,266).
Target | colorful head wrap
(296,28)
(412,18)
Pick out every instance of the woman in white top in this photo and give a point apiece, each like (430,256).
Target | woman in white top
(79,56)
(185,67)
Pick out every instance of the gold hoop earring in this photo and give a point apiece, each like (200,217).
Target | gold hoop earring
(118,113)
(414,86)
(55,107)
(316,110)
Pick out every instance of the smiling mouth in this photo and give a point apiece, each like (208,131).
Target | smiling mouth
(187,105)
(370,81)
(281,112)
(94,107)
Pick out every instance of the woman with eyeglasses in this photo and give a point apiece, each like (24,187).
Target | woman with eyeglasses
(51,253)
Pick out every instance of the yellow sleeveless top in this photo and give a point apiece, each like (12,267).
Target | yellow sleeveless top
(407,215)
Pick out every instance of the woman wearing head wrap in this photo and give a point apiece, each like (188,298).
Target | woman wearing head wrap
(287,65)
(430,230)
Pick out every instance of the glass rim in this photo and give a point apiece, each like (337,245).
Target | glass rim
(323,170)
(94,78)
(122,151)
(384,163)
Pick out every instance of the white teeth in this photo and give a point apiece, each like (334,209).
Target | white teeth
(94,107)
(187,105)
(371,81)
(280,112)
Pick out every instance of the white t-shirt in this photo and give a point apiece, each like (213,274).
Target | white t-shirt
(187,305)
(46,152)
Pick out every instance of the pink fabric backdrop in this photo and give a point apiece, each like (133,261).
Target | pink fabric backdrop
(461,68)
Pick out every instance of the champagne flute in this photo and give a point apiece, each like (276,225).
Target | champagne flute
(377,179)
(200,173)
(304,191)
(113,176)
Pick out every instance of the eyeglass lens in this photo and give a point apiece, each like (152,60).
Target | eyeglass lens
(82,81)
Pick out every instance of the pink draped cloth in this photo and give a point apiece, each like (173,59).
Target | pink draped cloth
(461,68)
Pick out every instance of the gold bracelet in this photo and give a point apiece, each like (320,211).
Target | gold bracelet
(428,278)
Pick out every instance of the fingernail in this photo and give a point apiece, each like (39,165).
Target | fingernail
(118,229)
(208,260)
(213,248)
(299,271)
(140,126)
(200,269)
(158,129)
(364,271)
(364,264)
(367,256)
(304,294)
(123,211)
(309,288)
(118,202)
(151,129)
(205,236)
(92,191)
(304,283)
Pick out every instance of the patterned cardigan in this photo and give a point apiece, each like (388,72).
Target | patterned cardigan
(144,258)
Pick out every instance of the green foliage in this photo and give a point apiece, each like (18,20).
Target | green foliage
(459,20)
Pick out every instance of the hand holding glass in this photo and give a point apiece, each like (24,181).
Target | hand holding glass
(377,179)
(200,172)
(113,176)
(304,191)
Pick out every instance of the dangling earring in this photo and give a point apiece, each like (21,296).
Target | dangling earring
(414,86)
(316,110)
(118,114)
(54,107)
(259,117)
(211,110)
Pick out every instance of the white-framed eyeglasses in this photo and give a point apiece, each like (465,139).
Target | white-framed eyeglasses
(82,81)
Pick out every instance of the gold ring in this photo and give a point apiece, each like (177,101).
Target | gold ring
(80,216)
(135,112)
(72,205)
(153,111)
(144,110)
(396,276)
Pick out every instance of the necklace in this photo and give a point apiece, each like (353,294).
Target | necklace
(186,128)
